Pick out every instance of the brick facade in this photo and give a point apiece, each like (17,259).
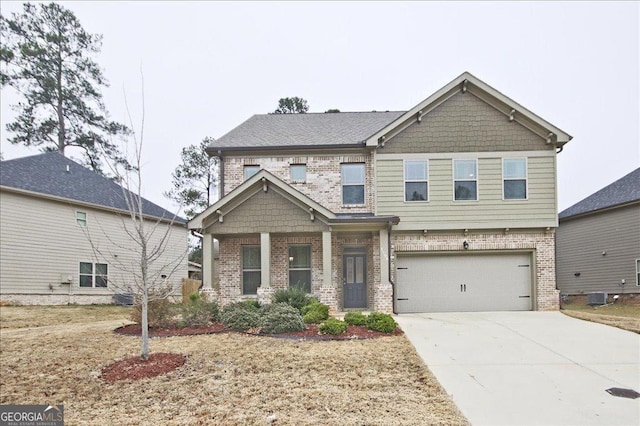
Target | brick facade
(540,244)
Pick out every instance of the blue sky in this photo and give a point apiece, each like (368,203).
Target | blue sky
(208,66)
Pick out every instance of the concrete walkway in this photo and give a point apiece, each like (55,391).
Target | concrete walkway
(530,368)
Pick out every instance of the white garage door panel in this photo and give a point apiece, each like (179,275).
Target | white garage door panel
(464,283)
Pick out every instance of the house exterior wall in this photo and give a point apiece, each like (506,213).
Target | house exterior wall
(540,244)
(324,176)
(581,242)
(41,242)
(490,211)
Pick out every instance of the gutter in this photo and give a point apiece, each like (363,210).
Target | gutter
(218,151)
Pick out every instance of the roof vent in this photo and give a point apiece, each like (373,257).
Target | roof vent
(68,168)
(596,299)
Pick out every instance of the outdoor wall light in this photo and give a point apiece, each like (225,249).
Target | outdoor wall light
(465,245)
(290,258)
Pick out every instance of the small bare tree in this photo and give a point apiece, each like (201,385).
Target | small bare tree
(145,270)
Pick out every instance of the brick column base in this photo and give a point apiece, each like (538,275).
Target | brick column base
(209,294)
(383,300)
(265,294)
(329,296)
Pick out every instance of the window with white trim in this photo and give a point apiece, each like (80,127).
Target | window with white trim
(298,173)
(251,269)
(514,176)
(353,175)
(465,180)
(416,181)
(250,171)
(93,274)
(81,218)
(637,271)
(300,266)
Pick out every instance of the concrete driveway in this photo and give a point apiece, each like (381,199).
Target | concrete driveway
(530,368)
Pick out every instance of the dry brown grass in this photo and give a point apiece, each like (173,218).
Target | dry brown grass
(38,316)
(624,316)
(228,379)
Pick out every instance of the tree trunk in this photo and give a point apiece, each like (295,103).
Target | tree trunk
(61,128)
(144,352)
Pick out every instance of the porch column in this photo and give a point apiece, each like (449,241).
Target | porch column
(384,256)
(265,260)
(326,259)
(207,262)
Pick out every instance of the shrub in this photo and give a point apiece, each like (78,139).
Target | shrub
(355,318)
(332,326)
(252,303)
(281,318)
(377,321)
(199,312)
(315,312)
(294,296)
(241,317)
(160,313)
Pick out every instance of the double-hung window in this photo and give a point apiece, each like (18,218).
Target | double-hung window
(298,173)
(251,269)
(300,267)
(353,183)
(514,175)
(465,180)
(637,271)
(93,274)
(250,171)
(81,219)
(416,181)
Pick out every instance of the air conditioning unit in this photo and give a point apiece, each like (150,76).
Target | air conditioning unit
(594,299)
(123,299)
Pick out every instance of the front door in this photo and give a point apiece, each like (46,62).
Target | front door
(355,282)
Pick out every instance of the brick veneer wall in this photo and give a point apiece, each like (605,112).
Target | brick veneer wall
(541,244)
(324,177)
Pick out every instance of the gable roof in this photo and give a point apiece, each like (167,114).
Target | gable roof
(468,82)
(342,129)
(623,191)
(47,174)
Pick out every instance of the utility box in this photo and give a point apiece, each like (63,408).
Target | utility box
(66,278)
(595,299)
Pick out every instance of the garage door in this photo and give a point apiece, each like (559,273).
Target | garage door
(464,283)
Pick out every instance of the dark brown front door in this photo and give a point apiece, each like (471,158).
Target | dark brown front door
(355,281)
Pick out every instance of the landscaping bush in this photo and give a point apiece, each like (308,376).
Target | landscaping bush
(384,323)
(252,303)
(241,317)
(355,318)
(199,312)
(294,296)
(315,312)
(281,318)
(160,313)
(332,326)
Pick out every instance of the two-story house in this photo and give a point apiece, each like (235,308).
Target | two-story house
(449,206)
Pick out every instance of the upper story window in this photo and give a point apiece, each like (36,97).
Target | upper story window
(298,173)
(81,219)
(416,181)
(93,274)
(251,269)
(514,175)
(465,180)
(353,183)
(250,171)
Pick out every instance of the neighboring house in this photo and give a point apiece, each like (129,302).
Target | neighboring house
(51,212)
(450,206)
(598,241)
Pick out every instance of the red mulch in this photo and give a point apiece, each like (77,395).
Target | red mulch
(135,368)
(136,330)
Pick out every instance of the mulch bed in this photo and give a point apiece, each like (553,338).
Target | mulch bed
(135,368)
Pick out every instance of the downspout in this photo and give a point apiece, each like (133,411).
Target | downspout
(393,284)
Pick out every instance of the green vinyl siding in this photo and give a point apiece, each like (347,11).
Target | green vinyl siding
(489,211)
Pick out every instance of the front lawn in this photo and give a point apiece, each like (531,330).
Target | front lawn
(39,316)
(228,378)
(624,316)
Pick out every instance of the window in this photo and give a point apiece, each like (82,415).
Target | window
(416,186)
(353,183)
(300,267)
(637,271)
(465,180)
(298,173)
(81,219)
(250,171)
(251,273)
(93,274)
(514,175)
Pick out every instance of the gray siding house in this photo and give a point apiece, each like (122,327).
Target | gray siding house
(51,212)
(598,241)
(449,206)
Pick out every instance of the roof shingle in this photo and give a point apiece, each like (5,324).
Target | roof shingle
(47,174)
(624,190)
